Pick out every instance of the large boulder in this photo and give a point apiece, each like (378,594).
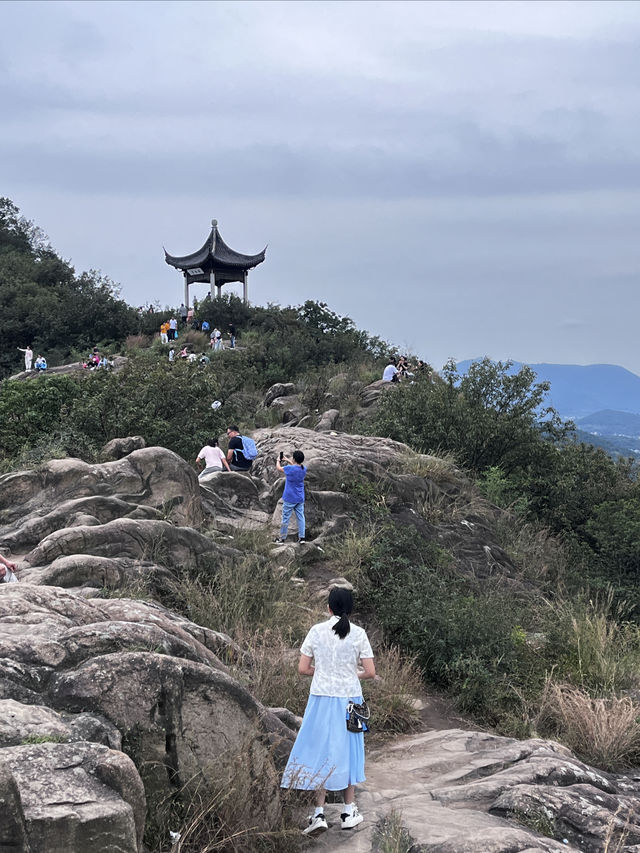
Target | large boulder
(280,389)
(75,797)
(153,477)
(232,500)
(133,674)
(119,447)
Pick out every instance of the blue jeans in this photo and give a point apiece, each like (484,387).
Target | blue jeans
(287,509)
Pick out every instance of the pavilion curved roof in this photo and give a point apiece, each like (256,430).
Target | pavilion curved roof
(213,253)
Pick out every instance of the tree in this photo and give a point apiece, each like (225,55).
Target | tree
(487,417)
(44,303)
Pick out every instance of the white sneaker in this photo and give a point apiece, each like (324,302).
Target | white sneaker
(317,824)
(348,821)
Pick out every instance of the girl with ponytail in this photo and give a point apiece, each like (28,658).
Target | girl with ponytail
(326,756)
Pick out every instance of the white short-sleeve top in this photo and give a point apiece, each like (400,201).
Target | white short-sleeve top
(335,660)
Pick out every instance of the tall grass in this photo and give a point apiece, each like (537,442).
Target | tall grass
(392,699)
(597,648)
(216,816)
(243,596)
(603,732)
(355,549)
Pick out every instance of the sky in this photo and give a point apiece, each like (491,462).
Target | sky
(459,178)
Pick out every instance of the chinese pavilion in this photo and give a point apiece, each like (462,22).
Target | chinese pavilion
(216,264)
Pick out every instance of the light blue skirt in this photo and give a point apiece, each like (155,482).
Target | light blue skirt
(325,754)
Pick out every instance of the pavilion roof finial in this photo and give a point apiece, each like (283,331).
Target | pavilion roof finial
(214,223)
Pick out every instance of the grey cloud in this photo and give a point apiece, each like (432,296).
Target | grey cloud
(524,165)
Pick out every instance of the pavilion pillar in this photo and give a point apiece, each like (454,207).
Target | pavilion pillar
(218,291)
(186,289)
(245,288)
(212,282)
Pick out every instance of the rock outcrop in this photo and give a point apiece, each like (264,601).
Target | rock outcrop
(64,369)
(111,705)
(92,688)
(453,790)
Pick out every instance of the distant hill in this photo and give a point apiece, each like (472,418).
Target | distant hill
(608,422)
(580,390)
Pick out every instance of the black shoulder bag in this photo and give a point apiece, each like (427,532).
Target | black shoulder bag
(358,717)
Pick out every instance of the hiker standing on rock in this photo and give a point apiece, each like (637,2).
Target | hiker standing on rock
(293,495)
(28,357)
(326,756)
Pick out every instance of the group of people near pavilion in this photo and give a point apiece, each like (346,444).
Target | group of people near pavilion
(169,332)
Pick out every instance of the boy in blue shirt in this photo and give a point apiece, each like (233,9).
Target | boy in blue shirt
(293,495)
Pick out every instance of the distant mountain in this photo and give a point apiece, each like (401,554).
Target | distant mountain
(580,390)
(609,422)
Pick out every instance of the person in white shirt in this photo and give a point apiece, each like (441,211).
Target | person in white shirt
(28,357)
(390,373)
(326,756)
(7,569)
(212,457)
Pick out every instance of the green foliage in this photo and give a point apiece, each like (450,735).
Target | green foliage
(31,412)
(488,416)
(45,304)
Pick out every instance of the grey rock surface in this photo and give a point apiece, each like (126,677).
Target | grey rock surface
(77,797)
(280,389)
(119,447)
(453,790)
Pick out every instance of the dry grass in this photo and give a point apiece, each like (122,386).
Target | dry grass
(273,673)
(621,831)
(391,836)
(536,552)
(443,507)
(244,596)
(601,647)
(441,468)
(355,549)
(203,817)
(603,732)
(392,699)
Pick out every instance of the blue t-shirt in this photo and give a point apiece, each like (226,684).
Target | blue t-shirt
(294,487)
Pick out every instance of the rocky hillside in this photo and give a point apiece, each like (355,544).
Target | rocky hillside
(112,705)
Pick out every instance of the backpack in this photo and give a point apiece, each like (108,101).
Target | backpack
(249,449)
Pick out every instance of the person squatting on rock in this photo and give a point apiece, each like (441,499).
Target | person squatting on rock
(235,456)
(212,457)
(325,755)
(293,495)
(7,569)
(28,357)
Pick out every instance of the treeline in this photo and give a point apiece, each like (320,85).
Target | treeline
(43,302)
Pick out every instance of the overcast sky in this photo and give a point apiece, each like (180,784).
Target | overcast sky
(461,178)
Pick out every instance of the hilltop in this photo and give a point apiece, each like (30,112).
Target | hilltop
(151,641)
